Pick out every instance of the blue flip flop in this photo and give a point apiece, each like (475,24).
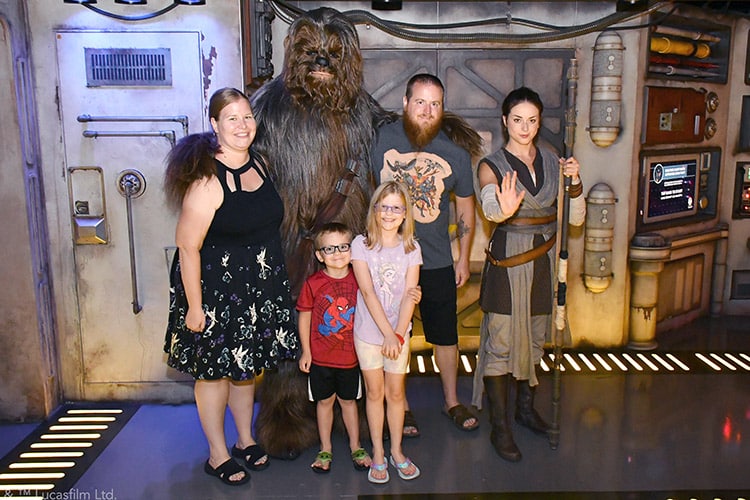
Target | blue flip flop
(400,467)
(379,468)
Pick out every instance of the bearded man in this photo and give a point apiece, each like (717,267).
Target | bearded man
(433,164)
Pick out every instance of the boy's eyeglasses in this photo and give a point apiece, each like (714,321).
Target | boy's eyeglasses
(397,210)
(330,249)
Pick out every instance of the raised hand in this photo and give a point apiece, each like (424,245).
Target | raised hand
(507,195)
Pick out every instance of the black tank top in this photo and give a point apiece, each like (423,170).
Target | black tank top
(245,218)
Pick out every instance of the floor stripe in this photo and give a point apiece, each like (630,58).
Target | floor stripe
(572,362)
(76,432)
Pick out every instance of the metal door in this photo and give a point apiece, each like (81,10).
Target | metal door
(125,98)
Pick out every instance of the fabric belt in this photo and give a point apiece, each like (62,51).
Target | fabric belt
(531,221)
(521,258)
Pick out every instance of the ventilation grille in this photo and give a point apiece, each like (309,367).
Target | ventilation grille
(740,285)
(139,67)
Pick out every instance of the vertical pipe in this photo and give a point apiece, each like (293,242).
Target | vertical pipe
(562,264)
(131,245)
(132,184)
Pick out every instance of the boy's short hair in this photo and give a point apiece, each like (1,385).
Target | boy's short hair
(332,227)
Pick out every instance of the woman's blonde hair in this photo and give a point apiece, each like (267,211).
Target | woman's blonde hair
(406,229)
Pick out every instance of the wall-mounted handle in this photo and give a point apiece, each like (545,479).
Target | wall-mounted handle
(131,184)
(182,119)
(169,134)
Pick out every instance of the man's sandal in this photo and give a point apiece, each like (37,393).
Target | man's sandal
(459,415)
(226,470)
(359,458)
(411,429)
(252,456)
(322,463)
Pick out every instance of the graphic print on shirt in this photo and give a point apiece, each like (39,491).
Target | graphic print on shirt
(423,174)
(337,318)
(332,322)
(387,273)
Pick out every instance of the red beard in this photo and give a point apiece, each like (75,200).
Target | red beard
(420,136)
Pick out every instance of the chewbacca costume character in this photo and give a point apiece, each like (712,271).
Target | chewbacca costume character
(316,123)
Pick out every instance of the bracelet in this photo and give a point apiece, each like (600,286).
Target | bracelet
(575,190)
(400,338)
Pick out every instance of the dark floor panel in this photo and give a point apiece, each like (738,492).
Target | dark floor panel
(558,495)
(631,435)
(624,434)
(73,436)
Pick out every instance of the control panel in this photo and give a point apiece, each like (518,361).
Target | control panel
(741,206)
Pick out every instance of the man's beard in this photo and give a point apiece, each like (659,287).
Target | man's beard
(420,136)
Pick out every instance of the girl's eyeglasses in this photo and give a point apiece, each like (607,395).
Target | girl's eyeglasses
(397,210)
(330,249)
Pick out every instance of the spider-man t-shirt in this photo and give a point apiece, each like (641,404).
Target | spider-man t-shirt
(332,303)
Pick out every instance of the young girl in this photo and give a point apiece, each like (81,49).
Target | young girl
(386,264)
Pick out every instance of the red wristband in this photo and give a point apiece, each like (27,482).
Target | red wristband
(400,338)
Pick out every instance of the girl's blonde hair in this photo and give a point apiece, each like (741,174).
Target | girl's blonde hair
(406,229)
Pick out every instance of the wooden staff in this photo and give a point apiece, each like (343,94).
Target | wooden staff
(562,261)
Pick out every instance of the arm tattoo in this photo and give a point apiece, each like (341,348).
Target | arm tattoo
(462,228)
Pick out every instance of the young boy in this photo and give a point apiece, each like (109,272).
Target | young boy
(326,308)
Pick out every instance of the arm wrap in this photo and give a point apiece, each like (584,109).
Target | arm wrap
(490,206)
(575,190)
(577,205)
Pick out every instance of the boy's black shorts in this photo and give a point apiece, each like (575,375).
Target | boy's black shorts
(324,382)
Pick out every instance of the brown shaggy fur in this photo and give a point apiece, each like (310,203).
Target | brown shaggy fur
(312,119)
(308,128)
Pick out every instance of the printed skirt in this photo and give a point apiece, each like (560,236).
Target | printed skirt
(250,325)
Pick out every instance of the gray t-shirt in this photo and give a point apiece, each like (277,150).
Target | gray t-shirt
(431,175)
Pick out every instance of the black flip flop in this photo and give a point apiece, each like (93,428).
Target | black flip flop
(251,455)
(410,421)
(227,470)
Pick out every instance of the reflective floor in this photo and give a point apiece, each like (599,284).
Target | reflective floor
(624,433)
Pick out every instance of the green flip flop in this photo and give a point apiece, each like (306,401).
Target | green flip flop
(358,459)
(322,463)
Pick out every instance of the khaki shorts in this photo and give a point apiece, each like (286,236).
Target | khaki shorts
(371,357)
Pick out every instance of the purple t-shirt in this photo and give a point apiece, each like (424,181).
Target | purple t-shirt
(388,267)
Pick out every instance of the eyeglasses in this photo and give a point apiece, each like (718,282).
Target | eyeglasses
(396,210)
(330,249)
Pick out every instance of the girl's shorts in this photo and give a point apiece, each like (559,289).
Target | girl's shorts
(371,357)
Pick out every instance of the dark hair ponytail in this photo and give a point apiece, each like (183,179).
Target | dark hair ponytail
(192,158)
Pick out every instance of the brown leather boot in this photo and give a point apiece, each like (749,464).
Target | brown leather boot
(526,415)
(501,435)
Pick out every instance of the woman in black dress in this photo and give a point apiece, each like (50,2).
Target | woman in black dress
(230,311)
